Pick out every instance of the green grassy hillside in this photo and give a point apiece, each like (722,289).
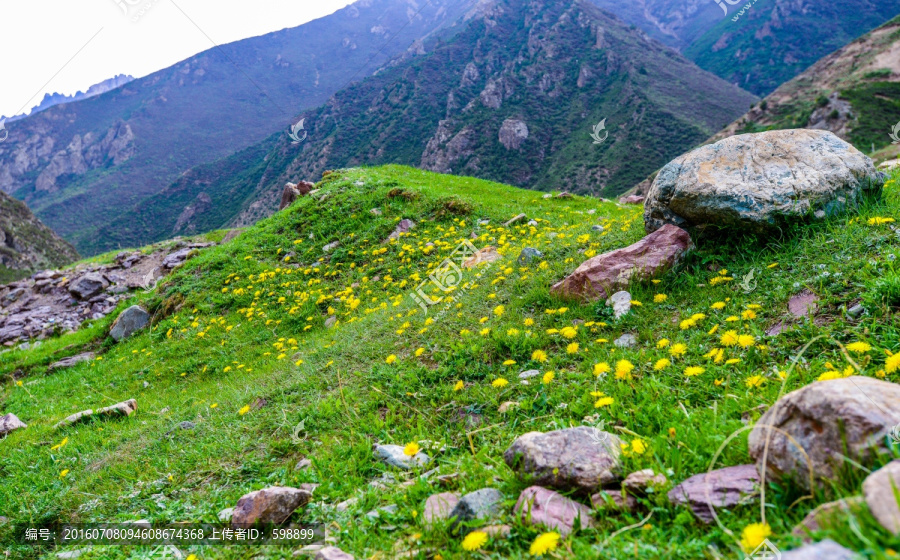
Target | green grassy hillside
(240,348)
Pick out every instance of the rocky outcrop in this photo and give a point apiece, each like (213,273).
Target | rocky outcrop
(601,276)
(447,147)
(513,132)
(293,191)
(723,488)
(26,244)
(56,301)
(759,182)
(87,152)
(578,459)
(832,422)
(269,505)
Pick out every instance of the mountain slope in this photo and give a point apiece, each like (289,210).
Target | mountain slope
(270,362)
(757,44)
(513,96)
(81,164)
(854,92)
(774,40)
(26,244)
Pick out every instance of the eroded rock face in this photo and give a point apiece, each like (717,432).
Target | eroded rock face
(581,459)
(718,489)
(269,505)
(601,276)
(513,132)
(540,506)
(830,420)
(761,181)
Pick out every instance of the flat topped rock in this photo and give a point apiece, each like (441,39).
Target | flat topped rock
(269,505)
(831,421)
(581,459)
(718,489)
(540,506)
(759,182)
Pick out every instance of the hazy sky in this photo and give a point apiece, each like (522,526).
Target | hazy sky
(64,46)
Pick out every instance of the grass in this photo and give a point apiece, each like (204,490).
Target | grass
(243,325)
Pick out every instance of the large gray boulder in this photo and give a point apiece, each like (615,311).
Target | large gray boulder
(832,423)
(88,285)
(130,321)
(761,181)
(580,459)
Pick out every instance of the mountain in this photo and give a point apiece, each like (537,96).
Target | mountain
(513,96)
(81,164)
(854,92)
(26,244)
(767,44)
(53,99)
(757,44)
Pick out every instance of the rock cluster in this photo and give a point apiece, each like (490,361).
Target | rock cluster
(52,301)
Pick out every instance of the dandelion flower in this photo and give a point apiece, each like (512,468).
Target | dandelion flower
(601,368)
(638,447)
(390,359)
(548,377)
(411,449)
(539,356)
(660,298)
(474,540)
(878,221)
(63,473)
(746,340)
(748,314)
(569,332)
(858,347)
(663,342)
(693,371)
(829,375)
(661,364)
(678,349)
(892,364)
(498,311)
(244,410)
(544,543)
(459,386)
(572,348)
(718,306)
(419,352)
(729,338)
(603,401)
(500,383)
(624,369)
(753,535)
(528,322)
(755,381)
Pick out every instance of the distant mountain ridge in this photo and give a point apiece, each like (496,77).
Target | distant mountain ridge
(513,96)
(80,165)
(53,99)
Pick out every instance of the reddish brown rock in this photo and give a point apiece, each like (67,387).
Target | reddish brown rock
(581,459)
(613,499)
(540,506)
(269,505)
(332,553)
(603,275)
(719,489)
(880,491)
(803,304)
(640,481)
(292,192)
(632,199)
(439,506)
(833,422)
